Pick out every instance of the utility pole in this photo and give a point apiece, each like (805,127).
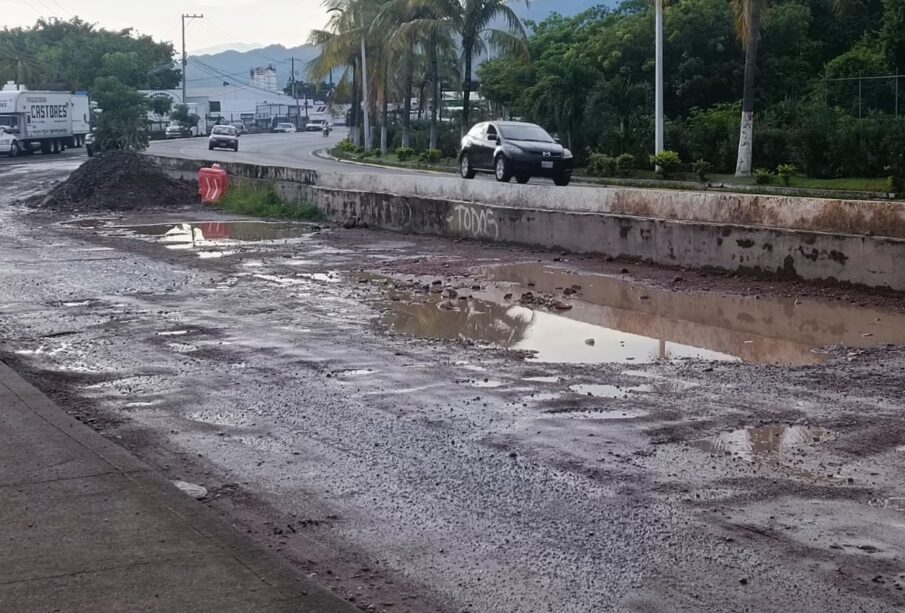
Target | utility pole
(295,94)
(184,58)
(658,104)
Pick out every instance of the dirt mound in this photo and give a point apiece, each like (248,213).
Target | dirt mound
(118,181)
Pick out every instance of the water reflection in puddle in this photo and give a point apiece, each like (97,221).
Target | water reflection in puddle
(764,442)
(211,239)
(611,320)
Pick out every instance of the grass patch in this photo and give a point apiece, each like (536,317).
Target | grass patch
(391,159)
(264,201)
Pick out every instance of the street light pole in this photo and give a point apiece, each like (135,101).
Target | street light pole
(658,104)
(184,58)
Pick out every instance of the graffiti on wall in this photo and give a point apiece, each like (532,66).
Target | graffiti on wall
(473,221)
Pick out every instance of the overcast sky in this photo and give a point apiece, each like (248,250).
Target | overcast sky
(286,22)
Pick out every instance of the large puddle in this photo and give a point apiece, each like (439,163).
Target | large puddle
(611,320)
(216,238)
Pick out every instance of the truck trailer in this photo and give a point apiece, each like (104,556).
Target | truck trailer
(43,121)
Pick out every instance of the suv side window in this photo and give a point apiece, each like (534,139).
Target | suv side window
(491,130)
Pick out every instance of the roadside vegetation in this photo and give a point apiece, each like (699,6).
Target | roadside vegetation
(827,110)
(265,201)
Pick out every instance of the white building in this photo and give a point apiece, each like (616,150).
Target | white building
(264,77)
(244,104)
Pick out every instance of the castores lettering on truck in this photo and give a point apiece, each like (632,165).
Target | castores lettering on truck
(49,111)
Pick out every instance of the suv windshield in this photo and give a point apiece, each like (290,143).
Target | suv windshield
(525,131)
(223,130)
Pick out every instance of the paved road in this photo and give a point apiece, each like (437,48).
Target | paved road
(420,476)
(298,150)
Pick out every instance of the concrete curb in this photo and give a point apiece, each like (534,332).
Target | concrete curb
(103,515)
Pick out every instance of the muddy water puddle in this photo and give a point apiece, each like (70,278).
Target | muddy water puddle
(210,239)
(765,442)
(570,317)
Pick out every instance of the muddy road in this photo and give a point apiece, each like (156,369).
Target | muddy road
(430,425)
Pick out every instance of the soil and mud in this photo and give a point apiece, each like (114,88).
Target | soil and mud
(432,425)
(116,181)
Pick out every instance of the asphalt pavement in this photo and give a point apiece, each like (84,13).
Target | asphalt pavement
(296,150)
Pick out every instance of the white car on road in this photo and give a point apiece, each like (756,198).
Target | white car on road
(223,137)
(9,143)
(284,127)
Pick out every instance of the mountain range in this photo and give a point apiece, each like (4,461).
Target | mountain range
(231,62)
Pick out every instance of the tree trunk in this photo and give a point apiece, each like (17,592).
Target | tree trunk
(746,133)
(384,119)
(353,112)
(467,48)
(366,95)
(421,100)
(407,102)
(435,86)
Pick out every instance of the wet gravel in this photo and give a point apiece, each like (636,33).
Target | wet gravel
(412,473)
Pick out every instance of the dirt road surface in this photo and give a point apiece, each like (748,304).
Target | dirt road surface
(429,425)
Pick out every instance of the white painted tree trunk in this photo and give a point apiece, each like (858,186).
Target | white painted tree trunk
(745,145)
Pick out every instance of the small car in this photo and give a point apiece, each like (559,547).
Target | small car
(285,128)
(174,130)
(315,125)
(223,137)
(514,149)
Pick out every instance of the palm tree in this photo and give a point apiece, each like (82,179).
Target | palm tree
(473,19)
(747,25)
(348,33)
(429,23)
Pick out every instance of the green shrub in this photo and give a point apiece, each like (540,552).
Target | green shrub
(625,165)
(265,201)
(601,165)
(786,172)
(763,176)
(431,156)
(666,163)
(347,146)
(404,154)
(368,154)
(701,168)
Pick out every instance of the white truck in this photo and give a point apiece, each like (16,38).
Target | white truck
(43,121)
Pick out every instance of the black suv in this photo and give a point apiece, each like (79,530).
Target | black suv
(514,149)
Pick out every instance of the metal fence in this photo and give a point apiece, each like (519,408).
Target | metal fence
(862,95)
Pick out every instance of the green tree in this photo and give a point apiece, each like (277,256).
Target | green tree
(122,123)
(892,32)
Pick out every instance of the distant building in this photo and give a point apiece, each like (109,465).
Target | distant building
(264,77)
(241,103)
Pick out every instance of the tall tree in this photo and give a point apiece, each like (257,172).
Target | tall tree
(473,19)
(748,15)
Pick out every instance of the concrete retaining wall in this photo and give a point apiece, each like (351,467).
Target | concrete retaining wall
(674,232)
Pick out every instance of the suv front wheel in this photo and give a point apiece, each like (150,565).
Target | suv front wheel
(465,168)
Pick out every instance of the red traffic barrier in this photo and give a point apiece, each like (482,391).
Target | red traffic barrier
(212,183)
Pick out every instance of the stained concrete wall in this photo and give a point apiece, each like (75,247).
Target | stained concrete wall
(872,217)
(674,233)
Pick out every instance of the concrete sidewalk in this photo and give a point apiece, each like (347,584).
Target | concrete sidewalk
(84,526)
